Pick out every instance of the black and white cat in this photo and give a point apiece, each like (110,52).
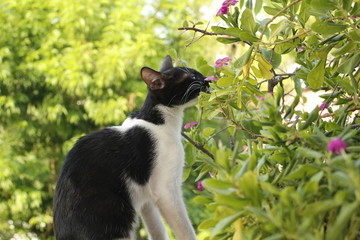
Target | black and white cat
(112,175)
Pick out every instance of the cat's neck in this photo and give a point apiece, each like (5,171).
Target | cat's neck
(159,114)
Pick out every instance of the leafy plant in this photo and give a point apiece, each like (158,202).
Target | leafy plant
(279,171)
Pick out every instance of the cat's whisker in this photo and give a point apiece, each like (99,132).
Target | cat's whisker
(193,87)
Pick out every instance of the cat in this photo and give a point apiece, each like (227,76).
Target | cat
(112,175)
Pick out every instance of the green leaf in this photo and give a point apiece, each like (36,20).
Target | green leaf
(278,27)
(315,77)
(270,10)
(208,131)
(268,187)
(218,186)
(309,153)
(314,209)
(301,172)
(201,200)
(217,29)
(246,36)
(311,118)
(232,201)
(223,223)
(349,65)
(249,184)
(235,32)
(247,21)
(327,28)
(227,40)
(244,59)
(225,81)
(347,47)
(272,57)
(341,224)
(323,4)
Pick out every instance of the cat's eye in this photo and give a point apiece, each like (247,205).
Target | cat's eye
(193,77)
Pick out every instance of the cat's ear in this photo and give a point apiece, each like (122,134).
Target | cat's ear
(154,79)
(166,64)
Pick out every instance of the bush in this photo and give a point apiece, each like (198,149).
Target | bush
(279,171)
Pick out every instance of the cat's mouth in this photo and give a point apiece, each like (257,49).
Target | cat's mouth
(205,87)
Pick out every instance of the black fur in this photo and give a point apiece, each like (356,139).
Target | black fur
(92,200)
(92,191)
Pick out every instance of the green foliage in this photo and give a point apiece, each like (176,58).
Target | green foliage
(68,68)
(273,176)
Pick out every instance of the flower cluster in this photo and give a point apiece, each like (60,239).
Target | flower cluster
(225,7)
(222,61)
(200,187)
(336,145)
(189,125)
(211,78)
(323,106)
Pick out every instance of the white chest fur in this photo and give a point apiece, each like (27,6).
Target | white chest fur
(169,161)
(162,194)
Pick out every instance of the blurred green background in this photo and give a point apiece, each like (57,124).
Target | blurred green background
(68,68)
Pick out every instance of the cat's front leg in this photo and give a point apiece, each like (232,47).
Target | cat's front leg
(153,223)
(173,209)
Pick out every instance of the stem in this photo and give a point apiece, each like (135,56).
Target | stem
(198,146)
(283,41)
(275,16)
(200,30)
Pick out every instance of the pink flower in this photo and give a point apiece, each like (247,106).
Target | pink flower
(222,61)
(323,106)
(211,174)
(225,7)
(223,10)
(336,145)
(262,98)
(211,78)
(200,186)
(189,125)
(301,48)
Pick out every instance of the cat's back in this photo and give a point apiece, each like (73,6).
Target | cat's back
(93,182)
(111,153)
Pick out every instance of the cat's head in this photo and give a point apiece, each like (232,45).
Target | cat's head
(174,86)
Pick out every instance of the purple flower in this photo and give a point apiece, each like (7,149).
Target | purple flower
(336,145)
(225,7)
(200,186)
(189,125)
(222,61)
(323,106)
(211,78)
(223,10)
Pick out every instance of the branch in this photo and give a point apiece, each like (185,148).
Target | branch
(276,15)
(283,41)
(239,125)
(198,146)
(204,32)
(278,78)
